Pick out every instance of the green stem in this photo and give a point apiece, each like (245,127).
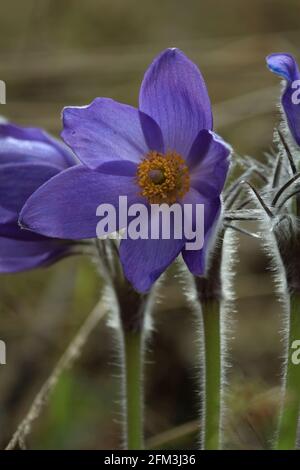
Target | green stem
(287,435)
(212,386)
(133,361)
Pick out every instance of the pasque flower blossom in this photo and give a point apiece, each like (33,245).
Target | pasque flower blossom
(162,152)
(28,158)
(286,67)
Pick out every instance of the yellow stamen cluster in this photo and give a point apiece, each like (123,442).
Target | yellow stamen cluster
(163,178)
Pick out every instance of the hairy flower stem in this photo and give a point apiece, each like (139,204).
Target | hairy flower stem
(129,309)
(133,372)
(132,319)
(212,386)
(287,434)
(132,311)
(210,295)
(132,322)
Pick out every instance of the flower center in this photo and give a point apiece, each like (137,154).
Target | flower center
(163,178)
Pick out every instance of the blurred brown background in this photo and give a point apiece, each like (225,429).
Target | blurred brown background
(55,53)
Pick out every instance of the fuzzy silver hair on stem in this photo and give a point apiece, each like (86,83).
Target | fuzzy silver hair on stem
(211,298)
(278,206)
(130,318)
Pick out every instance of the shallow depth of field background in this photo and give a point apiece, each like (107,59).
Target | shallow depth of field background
(55,53)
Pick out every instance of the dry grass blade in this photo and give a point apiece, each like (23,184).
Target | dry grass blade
(65,362)
(174,435)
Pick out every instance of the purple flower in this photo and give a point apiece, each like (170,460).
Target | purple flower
(286,67)
(163,152)
(28,158)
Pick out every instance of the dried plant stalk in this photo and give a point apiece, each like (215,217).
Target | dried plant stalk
(65,362)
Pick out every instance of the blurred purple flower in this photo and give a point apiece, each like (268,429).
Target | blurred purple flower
(286,67)
(130,152)
(28,158)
